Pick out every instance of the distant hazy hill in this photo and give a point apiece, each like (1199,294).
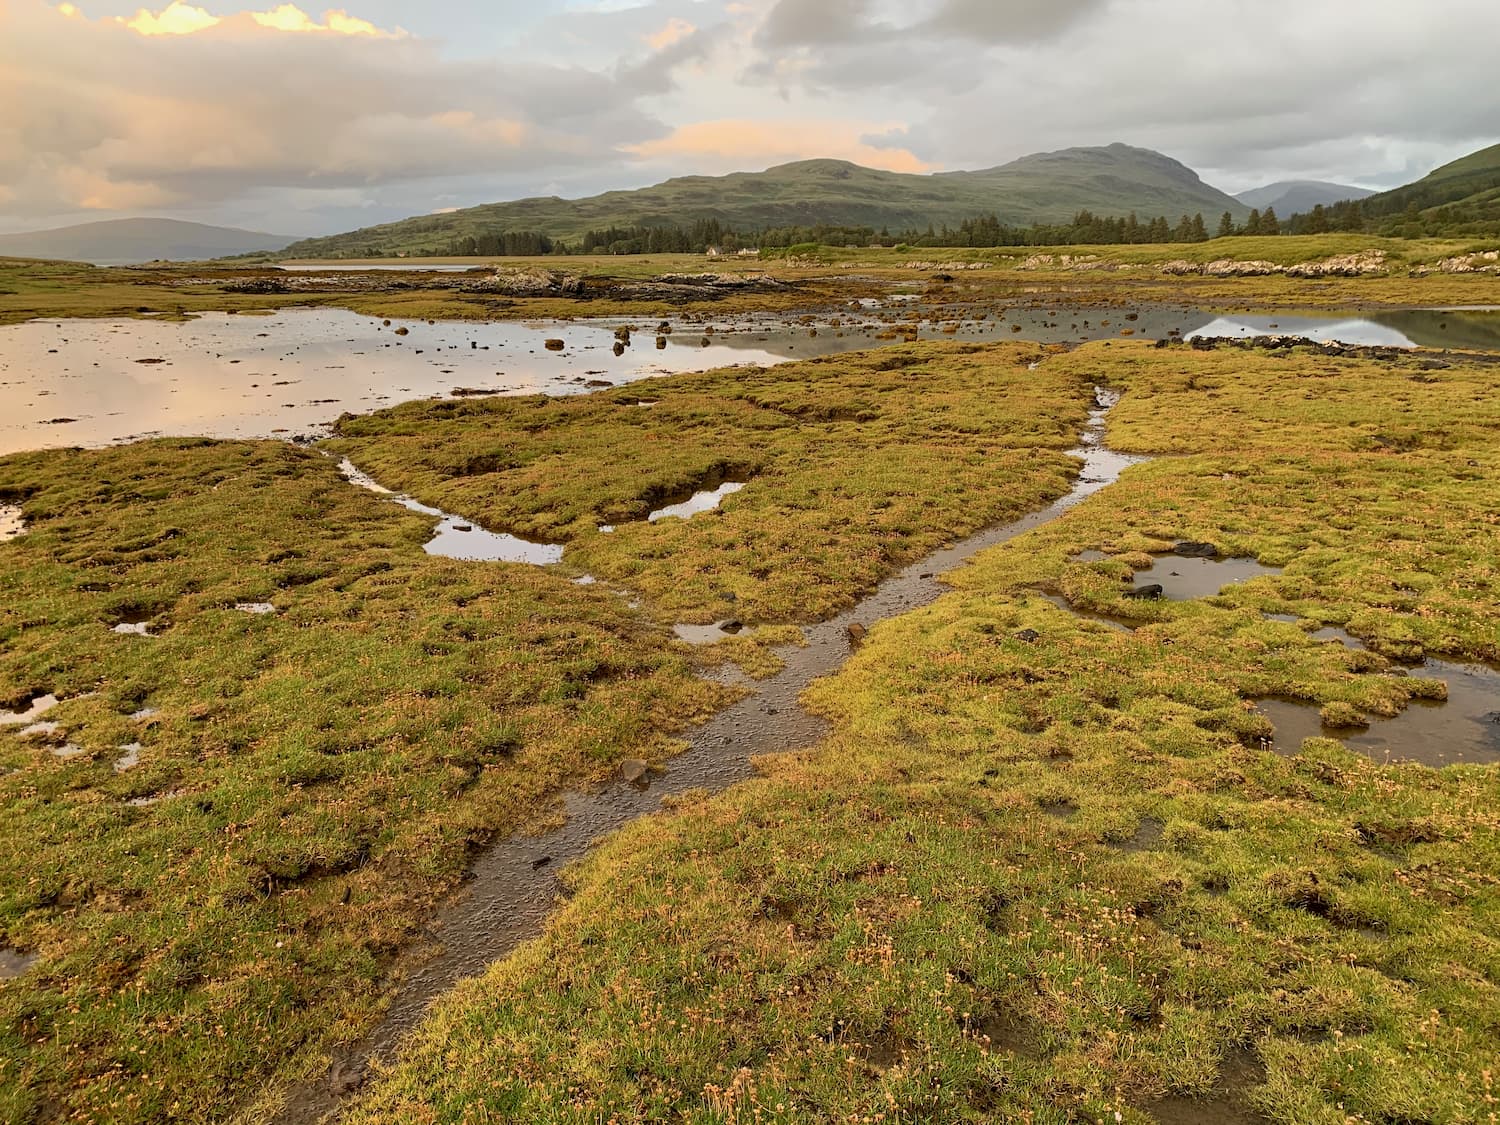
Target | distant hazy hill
(1294,197)
(1048,187)
(124,241)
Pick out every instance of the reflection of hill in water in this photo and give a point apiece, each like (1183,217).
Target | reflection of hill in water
(1429,328)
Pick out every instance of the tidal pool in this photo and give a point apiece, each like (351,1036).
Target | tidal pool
(1184,579)
(1466,728)
(290,373)
(458,538)
(697,504)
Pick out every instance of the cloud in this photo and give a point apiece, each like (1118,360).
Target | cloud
(816,23)
(196,109)
(1015,21)
(285,117)
(675,31)
(731,145)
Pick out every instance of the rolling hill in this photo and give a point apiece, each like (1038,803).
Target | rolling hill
(1045,188)
(1292,197)
(1463,196)
(123,241)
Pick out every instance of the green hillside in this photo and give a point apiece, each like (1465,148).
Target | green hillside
(1461,196)
(1045,188)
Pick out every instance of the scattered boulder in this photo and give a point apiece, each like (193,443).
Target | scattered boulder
(857,634)
(633,771)
(1152,593)
(1194,550)
(555,345)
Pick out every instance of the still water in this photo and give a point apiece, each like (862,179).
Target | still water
(93,382)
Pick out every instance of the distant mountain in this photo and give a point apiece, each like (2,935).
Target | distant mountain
(1046,188)
(124,241)
(1297,197)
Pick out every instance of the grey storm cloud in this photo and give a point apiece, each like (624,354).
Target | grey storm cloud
(846,23)
(1013,21)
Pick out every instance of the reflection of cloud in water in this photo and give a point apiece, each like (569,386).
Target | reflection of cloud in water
(1356,331)
(81,382)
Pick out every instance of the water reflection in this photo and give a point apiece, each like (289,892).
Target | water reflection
(92,382)
(458,538)
(696,504)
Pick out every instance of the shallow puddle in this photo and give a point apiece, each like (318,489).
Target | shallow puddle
(711,634)
(1477,328)
(514,886)
(93,382)
(13,962)
(12,523)
(456,538)
(257,609)
(38,707)
(130,757)
(133,629)
(1185,579)
(1118,624)
(1464,729)
(697,504)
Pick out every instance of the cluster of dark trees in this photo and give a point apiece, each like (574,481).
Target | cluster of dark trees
(699,237)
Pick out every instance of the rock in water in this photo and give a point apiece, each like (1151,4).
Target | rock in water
(1192,550)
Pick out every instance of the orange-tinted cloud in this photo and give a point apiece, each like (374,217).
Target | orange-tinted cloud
(176,18)
(673,33)
(741,144)
(182,18)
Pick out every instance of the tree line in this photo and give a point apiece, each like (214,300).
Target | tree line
(1399,215)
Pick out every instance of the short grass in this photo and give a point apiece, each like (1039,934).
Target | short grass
(319,776)
(854,465)
(1041,871)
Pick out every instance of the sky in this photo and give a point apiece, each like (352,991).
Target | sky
(299,120)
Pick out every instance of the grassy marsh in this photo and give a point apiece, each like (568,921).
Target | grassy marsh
(855,465)
(308,781)
(1041,871)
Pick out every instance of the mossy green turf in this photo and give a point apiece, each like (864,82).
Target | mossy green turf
(322,773)
(1040,871)
(855,465)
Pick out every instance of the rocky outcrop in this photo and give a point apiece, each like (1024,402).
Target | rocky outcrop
(1487,261)
(1360,264)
